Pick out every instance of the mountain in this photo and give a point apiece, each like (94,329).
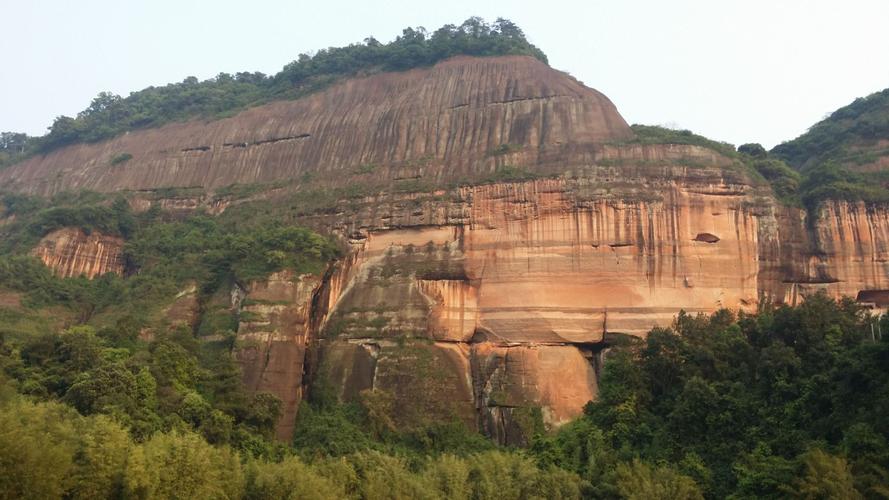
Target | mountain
(497,221)
(467,238)
(437,124)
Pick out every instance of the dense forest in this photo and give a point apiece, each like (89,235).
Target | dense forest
(790,401)
(109,115)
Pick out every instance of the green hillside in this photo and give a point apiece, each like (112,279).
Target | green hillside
(851,134)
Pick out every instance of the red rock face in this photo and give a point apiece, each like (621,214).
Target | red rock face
(526,279)
(489,303)
(437,123)
(523,280)
(275,328)
(72,252)
(843,252)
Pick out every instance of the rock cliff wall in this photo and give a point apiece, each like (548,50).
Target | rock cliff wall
(437,123)
(488,303)
(514,287)
(73,252)
(491,303)
(843,250)
(275,327)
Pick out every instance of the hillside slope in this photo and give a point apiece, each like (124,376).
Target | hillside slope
(856,136)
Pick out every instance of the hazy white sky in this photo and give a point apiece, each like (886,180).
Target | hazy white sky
(733,70)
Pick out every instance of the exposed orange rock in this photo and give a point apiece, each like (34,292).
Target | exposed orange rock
(73,252)
(549,266)
(512,381)
(486,303)
(437,123)
(533,262)
(844,253)
(273,335)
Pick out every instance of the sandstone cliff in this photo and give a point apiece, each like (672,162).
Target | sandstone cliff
(73,252)
(437,123)
(493,301)
(275,329)
(488,301)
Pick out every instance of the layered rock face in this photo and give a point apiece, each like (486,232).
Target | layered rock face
(843,250)
(489,303)
(274,331)
(516,290)
(73,252)
(515,287)
(437,123)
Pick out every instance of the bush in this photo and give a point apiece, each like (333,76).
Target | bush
(121,158)
(289,479)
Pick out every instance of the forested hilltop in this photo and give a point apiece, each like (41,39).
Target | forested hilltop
(109,115)
(864,122)
(845,155)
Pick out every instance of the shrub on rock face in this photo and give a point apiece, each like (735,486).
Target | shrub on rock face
(121,158)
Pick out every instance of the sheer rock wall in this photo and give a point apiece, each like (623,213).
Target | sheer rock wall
(438,123)
(72,252)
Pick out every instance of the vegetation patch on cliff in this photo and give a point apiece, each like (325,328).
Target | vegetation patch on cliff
(862,123)
(164,254)
(653,134)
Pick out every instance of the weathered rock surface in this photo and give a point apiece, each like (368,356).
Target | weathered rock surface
(275,328)
(843,251)
(527,278)
(487,303)
(73,252)
(437,123)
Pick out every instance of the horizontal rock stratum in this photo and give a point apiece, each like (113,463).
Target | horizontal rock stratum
(441,122)
(488,300)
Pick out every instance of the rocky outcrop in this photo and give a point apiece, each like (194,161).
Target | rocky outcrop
(842,250)
(459,118)
(275,327)
(74,252)
(524,281)
(518,284)
(467,295)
